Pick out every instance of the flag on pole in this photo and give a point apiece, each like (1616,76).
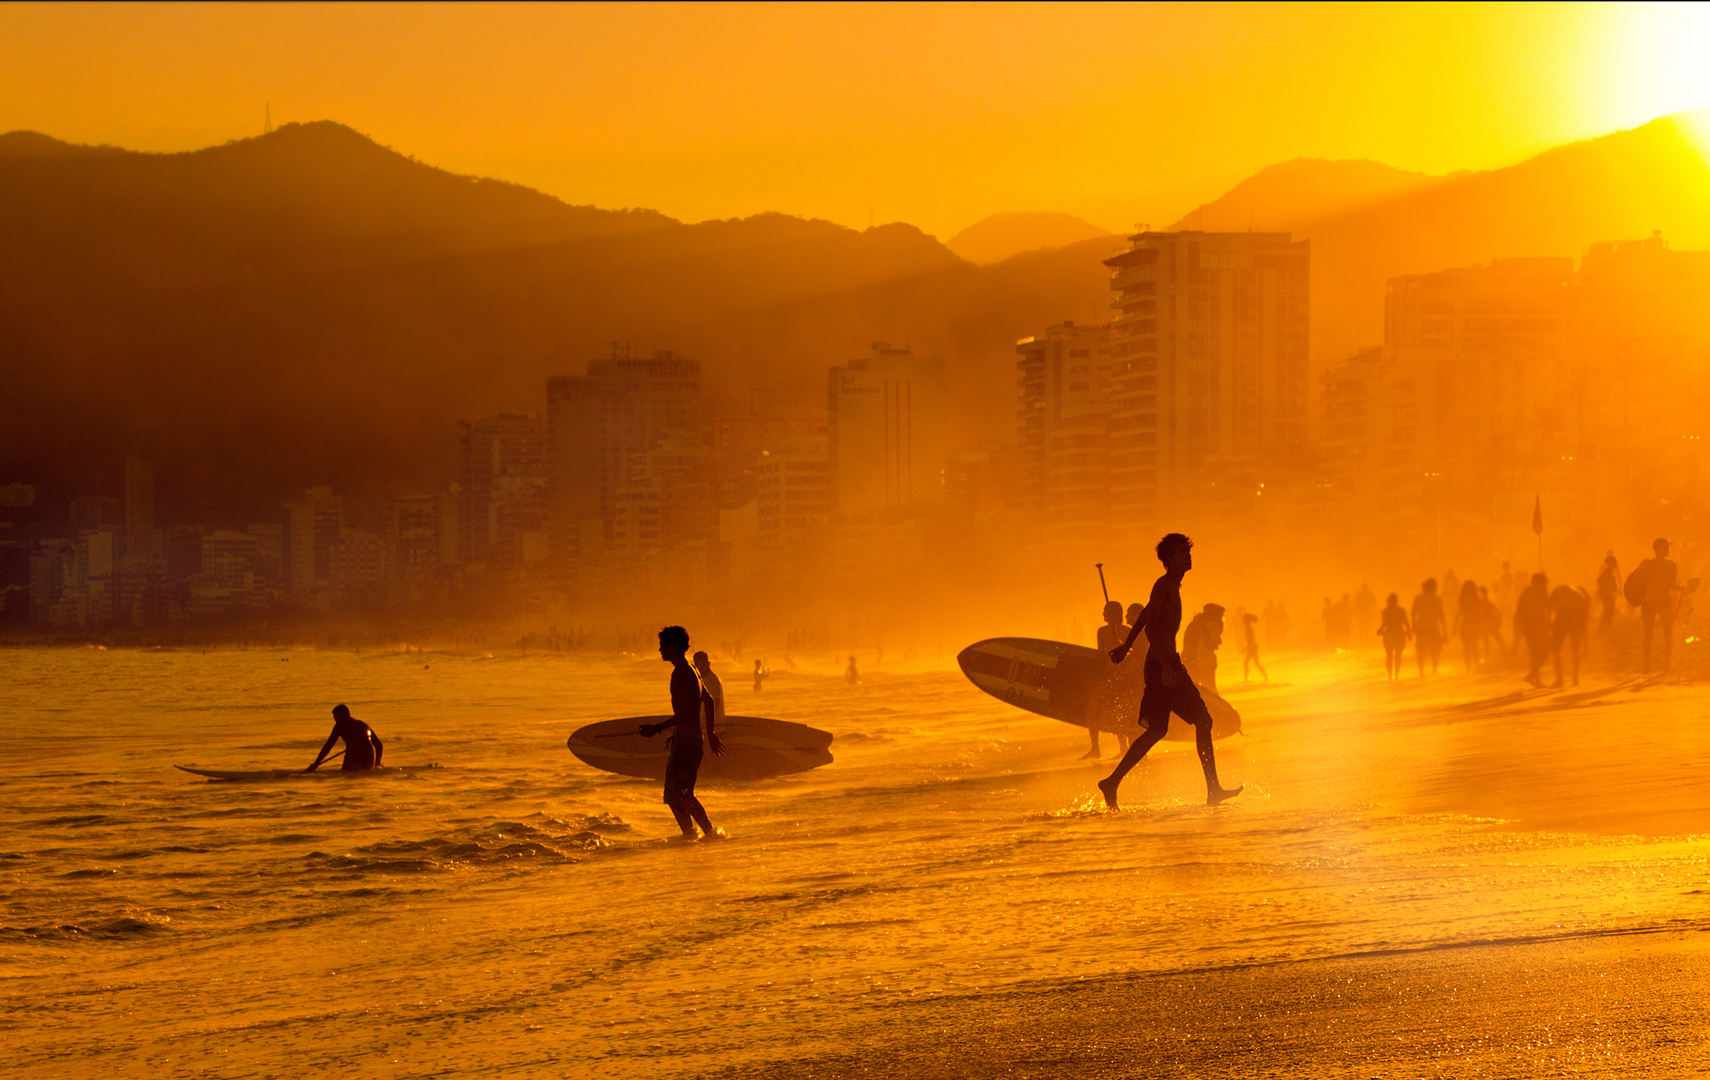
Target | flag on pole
(1537,515)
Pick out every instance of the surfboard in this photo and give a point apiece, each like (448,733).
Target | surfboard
(754,748)
(299,774)
(1077,685)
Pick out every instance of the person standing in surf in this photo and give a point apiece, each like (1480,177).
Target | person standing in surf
(713,684)
(362,748)
(689,701)
(1168,688)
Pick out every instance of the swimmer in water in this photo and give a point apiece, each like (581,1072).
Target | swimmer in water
(362,748)
(1168,688)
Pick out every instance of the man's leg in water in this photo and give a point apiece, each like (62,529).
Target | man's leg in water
(1191,707)
(699,813)
(681,813)
(1136,750)
(1093,753)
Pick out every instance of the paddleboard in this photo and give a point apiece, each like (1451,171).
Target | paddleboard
(299,774)
(1078,685)
(754,748)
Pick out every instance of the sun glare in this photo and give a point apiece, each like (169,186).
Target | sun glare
(1664,65)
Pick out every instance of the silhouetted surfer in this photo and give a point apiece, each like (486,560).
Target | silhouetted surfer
(689,701)
(760,674)
(362,748)
(1168,688)
(851,673)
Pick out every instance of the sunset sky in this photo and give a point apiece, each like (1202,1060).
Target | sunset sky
(933,115)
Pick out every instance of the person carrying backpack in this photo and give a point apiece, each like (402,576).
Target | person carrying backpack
(1651,588)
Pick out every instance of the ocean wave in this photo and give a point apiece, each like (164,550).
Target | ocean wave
(123,928)
(492,846)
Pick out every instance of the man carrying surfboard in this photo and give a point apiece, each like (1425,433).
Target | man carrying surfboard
(1168,688)
(689,700)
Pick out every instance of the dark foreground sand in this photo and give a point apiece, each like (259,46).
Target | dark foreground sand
(1617,1005)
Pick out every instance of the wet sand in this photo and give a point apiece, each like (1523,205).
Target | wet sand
(1605,1005)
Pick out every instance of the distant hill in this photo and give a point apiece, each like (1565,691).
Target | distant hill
(1281,197)
(1617,187)
(309,307)
(1003,236)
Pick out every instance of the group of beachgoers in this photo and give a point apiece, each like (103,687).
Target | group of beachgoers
(1550,622)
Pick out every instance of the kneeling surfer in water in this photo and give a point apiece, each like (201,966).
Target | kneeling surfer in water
(689,700)
(362,748)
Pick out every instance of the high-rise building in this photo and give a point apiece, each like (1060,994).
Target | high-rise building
(311,527)
(887,428)
(415,543)
(1063,422)
(502,487)
(1209,365)
(97,512)
(140,540)
(599,428)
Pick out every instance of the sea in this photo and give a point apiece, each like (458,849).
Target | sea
(514,912)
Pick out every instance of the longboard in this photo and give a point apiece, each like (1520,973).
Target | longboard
(1077,685)
(754,748)
(299,774)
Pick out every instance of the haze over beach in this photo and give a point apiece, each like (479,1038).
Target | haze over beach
(932,541)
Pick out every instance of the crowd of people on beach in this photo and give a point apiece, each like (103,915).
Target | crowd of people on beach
(1515,620)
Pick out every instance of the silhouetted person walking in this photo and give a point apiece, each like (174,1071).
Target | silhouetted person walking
(1110,635)
(712,683)
(362,748)
(851,673)
(1656,580)
(1532,623)
(1395,631)
(690,701)
(1608,587)
(1200,643)
(1250,654)
(1168,688)
(1429,629)
(760,676)
(1570,617)
(1469,624)
(1492,623)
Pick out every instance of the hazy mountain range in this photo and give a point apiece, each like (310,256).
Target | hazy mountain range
(310,307)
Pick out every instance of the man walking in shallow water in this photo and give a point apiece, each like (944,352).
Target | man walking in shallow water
(1168,688)
(689,700)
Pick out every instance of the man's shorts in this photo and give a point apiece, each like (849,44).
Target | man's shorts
(1159,701)
(681,768)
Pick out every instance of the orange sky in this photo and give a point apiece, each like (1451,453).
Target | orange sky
(933,115)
